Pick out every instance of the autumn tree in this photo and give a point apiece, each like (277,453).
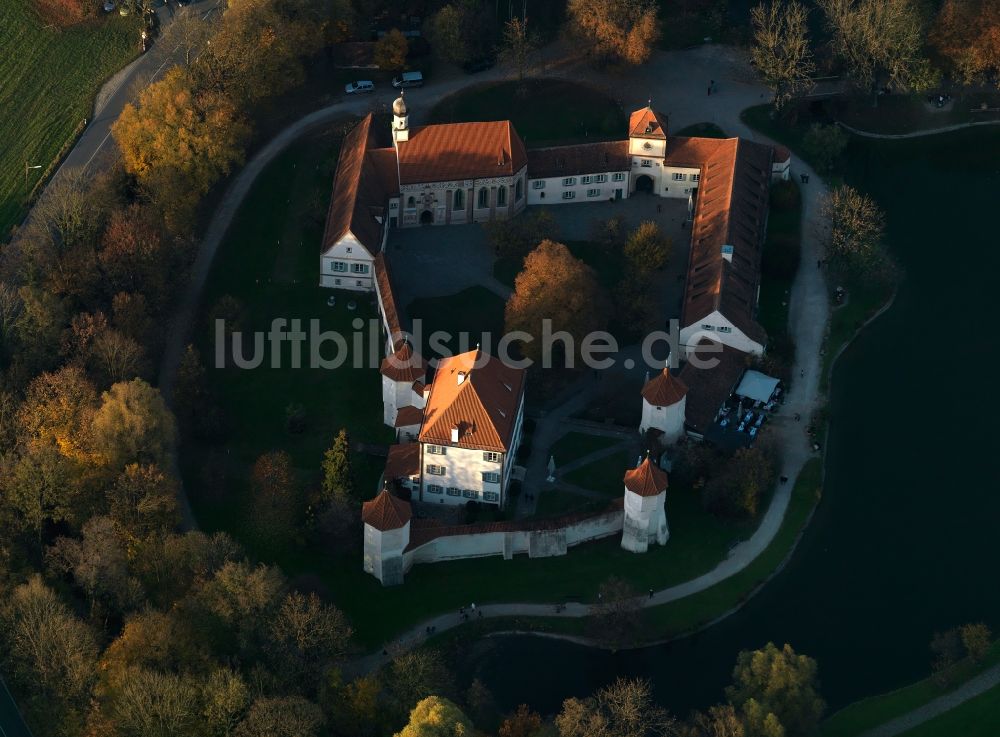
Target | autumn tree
(143,501)
(288,716)
(415,675)
(557,287)
(225,698)
(976,639)
(240,601)
(514,238)
(436,716)
(135,255)
(524,722)
(259,48)
(737,488)
(824,144)
(966,34)
(98,564)
(647,248)
(391,51)
(39,487)
(133,425)
(777,684)
(623,708)
(445,30)
(309,635)
(622,31)
(518,46)
(780,49)
(880,42)
(720,720)
(50,651)
(153,704)
(617,615)
(276,496)
(946,651)
(854,237)
(180,140)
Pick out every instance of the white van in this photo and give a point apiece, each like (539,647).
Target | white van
(408,79)
(359,86)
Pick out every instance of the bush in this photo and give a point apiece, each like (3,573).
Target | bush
(64,13)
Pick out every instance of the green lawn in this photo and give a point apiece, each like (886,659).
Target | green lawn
(574,445)
(701,130)
(269,262)
(605,475)
(868,713)
(555,502)
(545,112)
(978,717)
(475,311)
(50,77)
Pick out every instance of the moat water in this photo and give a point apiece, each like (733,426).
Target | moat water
(907,538)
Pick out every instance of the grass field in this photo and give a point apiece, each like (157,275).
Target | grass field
(701,130)
(574,445)
(868,713)
(475,311)
(978,717)
(50,77)
(545,112)
(782,251)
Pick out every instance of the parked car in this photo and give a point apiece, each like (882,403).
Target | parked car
(408,79)
(362,85)
(479,65)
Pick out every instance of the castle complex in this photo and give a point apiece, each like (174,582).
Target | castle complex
(458,430)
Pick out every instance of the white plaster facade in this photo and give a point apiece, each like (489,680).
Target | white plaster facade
(645,521)
(383,553)
(668,420)
(454,475)
(348,265)
(609,185)
(395,396)
(717,327)
(462,201)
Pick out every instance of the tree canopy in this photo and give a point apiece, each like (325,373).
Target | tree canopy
(623,31)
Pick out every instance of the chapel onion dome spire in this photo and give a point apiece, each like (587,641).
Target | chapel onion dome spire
(399,106)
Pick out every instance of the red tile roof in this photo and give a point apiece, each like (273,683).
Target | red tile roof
(708,388)
(422,531)
(664,389)
(731,210)
(409,416)
(386,512)
(483,405)
(383,284)
(456,151)
(358,193)
(402,462)
(404,364)
(647,123)
(646,480)
(585,158)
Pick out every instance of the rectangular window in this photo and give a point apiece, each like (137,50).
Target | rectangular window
(359,268)
(336,282)
(491,496)
(725,329)
(585,179)
(435,470)
(491,457)
(618,176)
(339,266)
(470,493)
(696,177)
(594,192)
(434,489)
(437,450)
(646,162)
(454,491)
(708,327)
(538,184)
(569,181)
(491,477)
(569,195)
(678,177)
(359,283)
(601,178)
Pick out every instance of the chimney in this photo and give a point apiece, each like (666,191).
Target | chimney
(455,430)
(461,377)
(727,253)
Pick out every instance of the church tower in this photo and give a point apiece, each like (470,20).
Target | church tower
(400,121)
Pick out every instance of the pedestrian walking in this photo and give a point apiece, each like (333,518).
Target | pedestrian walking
(650,593)
(710,90)
(803,178)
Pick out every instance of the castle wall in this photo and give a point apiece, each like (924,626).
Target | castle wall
(668,420)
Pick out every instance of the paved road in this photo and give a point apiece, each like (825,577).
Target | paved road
(96,149)
(11,722)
